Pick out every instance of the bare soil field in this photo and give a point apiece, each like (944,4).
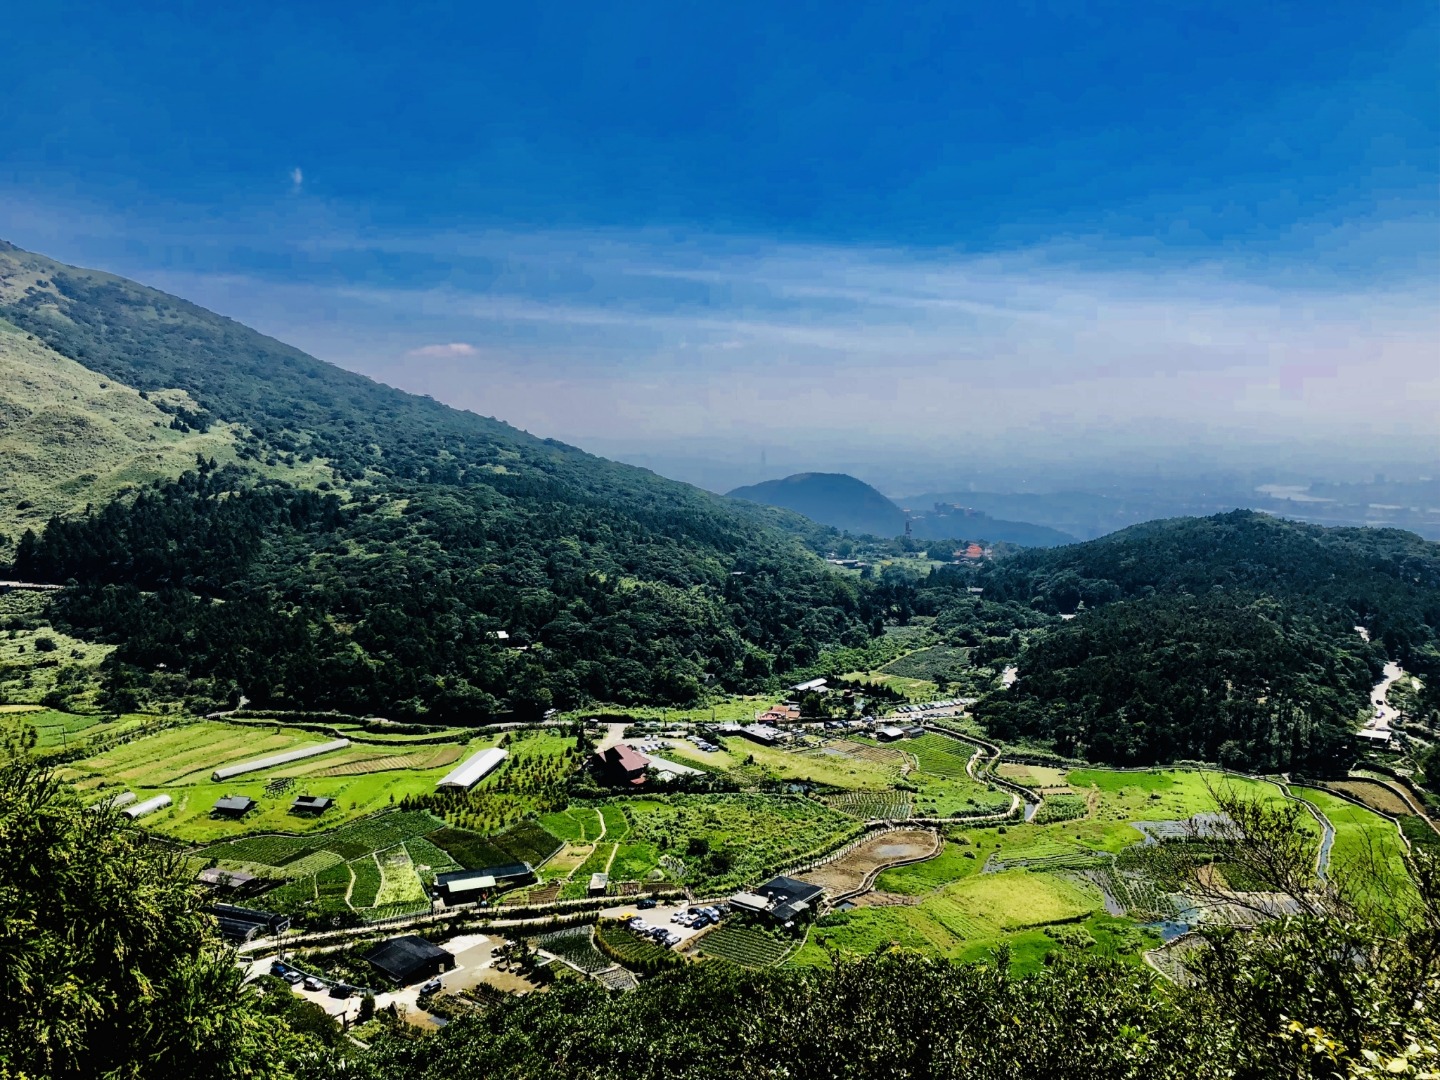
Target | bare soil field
(880,755)
(1034,776)
(1375,795)
(859,867)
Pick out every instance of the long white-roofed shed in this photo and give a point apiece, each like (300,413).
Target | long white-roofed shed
(298,754)
(474,768)
(149,806)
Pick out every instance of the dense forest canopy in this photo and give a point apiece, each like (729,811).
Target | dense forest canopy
(1230,638)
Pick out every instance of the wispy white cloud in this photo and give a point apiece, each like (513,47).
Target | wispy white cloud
(454,348)
(297,178)
(640,335)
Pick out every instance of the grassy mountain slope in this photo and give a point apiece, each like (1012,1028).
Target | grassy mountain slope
(71,437)
(437,529)
(834,499)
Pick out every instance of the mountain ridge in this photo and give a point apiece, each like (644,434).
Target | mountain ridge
(425,531)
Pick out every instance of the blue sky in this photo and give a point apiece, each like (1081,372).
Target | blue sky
(1008,223)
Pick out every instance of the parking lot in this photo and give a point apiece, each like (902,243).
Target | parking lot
(474,959)
(660,915)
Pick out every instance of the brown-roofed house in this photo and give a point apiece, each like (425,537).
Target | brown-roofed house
(621,764)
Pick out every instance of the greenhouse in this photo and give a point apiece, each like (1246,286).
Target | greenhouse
(298,754)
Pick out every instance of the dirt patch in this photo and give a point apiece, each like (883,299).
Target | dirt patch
(1375,795)
(858,867)
(1033,776)
(880,755)
(884,899)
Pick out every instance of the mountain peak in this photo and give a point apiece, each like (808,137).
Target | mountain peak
(835,499)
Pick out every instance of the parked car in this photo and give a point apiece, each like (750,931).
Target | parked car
(341,990)
(431,987)
(292,977)
(277,968)
(312,984)
(646,904)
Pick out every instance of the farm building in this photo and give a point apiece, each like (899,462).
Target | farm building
(274,760)
(813,686)
(780,714)
(782,899)
(232,806)
(621,764)
(409,959)
(311,804)
(599,884)
(464,886)
(114,802)
(149,806)
(889,733)
(763,734)
(1376,736)
(470,771)
(232,881)
(239,925)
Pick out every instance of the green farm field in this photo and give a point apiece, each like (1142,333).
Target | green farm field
(746,836)
(56,730)
(191,752)
(1365,845)
(827,765)
(958,911)
(178,762)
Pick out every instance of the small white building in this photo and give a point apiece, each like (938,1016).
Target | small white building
(473,769)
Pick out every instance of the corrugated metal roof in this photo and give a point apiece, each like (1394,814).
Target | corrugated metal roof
(473,768)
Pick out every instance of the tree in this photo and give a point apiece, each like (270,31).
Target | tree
(109,964)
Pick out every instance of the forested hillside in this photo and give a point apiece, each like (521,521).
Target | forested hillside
(1231,638)
(381,584)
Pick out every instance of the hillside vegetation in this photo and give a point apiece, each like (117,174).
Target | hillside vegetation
(71,437)
(385,588)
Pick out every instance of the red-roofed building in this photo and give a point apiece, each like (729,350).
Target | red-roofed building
(622,764)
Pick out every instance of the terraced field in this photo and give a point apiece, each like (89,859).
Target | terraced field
(744,945)
(367,760)
(192,750)
(574,946)
(941,756)
(872,805)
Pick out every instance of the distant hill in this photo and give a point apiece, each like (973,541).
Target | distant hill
(947,522)
(843,502)
(834,499)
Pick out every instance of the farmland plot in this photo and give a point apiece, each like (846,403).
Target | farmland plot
(851,870)
(747,946)
(872,805)
(575,947)
(399,883)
